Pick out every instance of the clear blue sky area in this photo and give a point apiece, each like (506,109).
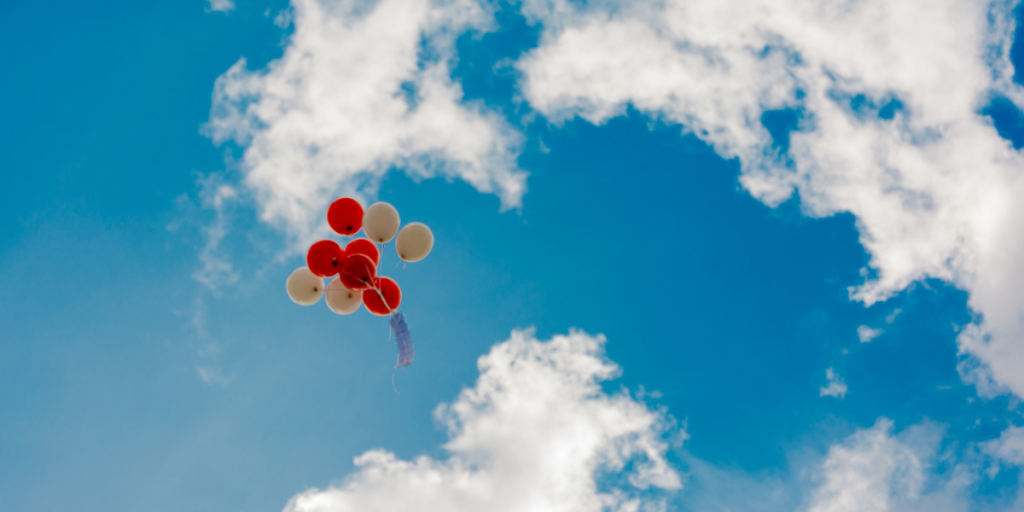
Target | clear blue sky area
(732,310)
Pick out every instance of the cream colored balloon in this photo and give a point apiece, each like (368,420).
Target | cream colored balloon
(341,300)
(305,287)
(380,222)
(414,242)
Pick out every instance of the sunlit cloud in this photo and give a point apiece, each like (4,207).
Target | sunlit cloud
(536,432)
(882,101)
(355,95)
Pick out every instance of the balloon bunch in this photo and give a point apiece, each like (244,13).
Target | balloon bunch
(355,266)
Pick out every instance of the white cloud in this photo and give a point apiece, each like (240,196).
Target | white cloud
(835,386)
(217,271)
(283,18)
(866,334)
(892,316)
(536,432)
(364,88)
(361,89)
(211,375)
(211,217)
(874,471)
(934,188)
(221,5)
(863,473)
(1009,447)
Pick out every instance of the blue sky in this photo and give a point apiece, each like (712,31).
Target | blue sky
(127,383)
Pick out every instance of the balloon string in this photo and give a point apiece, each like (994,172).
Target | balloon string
(376,289)
(382,299)
(373,286)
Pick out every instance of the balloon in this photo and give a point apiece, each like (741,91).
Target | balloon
(383,298)
(341,300)
(380,222)
(357,272)
(363,246)
(414,242)
(345,216)
(304,287)
(324,258)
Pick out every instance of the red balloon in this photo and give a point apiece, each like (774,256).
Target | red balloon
(384,297)
(325,257)
(345,216)
(363,246)
(357,272)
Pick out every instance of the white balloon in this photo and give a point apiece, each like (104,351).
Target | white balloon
(380,222)
(305,287)
(341,300)
(414,242)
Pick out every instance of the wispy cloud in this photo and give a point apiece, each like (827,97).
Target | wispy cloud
(866,334)
(210,218)
(212,375)
(221,5)
(217,270)
(1009,448)
(835,387)
(891,317)
(283,18)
